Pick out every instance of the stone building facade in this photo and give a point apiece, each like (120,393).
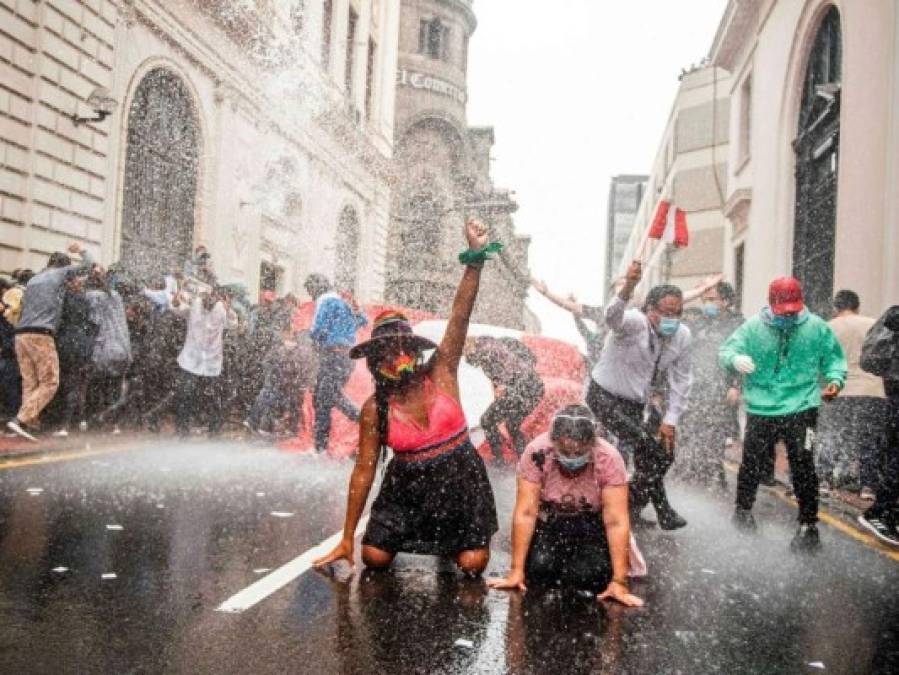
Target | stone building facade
(262,129)
(690,171)
(806,174)
(443,174)
(812,185)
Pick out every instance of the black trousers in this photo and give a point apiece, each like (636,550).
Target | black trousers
(334,370)
(198,394)
(797,433)
(512,408)
(886,504)
(624,419)
(569,551)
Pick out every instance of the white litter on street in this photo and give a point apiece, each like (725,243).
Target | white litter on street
(114,527)
(60,569)
(34,491)
(282,514)
(462,642)
(108,575)
(262,570)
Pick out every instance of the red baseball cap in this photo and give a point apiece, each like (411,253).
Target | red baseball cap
(785,296)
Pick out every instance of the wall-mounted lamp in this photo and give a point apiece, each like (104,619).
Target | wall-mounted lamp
(102,103)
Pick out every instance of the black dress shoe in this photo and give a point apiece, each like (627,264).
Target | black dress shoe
(806,538)
(744,520)
(669,519)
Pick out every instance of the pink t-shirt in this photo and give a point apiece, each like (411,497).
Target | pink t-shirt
(584,488)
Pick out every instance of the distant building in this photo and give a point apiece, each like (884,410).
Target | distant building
(443,174)
(263,130)
(690,171)
(625,195)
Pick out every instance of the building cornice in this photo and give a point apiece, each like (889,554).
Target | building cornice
(737,27)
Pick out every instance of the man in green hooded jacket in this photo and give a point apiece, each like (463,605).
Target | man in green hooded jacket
(785,353)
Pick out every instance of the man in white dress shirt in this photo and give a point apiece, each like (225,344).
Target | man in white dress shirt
(644,344)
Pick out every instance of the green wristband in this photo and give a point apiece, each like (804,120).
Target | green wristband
(471,257)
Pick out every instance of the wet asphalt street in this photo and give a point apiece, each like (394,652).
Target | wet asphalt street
(184,527)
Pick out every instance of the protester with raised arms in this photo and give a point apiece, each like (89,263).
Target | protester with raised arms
(435,498)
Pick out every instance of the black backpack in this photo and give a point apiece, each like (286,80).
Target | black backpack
(880,350)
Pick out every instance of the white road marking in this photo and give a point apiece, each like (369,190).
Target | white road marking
(282,576)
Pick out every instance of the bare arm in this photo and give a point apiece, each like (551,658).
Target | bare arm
(450,351)
(618,533)
(617,523)
(360,484)
(524,521)
(568,304)
(704,285)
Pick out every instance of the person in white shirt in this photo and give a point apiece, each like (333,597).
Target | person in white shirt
(201,358)
(644,344)
(852,428)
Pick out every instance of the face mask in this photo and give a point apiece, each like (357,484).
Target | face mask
(402,368)
(668,327)
(711,310)
(784,322)
(574,464)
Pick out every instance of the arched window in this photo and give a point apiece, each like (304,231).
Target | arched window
(347,250)
(161,166)
(817,159)
(433,39)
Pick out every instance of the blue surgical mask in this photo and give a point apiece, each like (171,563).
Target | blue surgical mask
(574,464)
(784,322)
(668,327)
(711,310)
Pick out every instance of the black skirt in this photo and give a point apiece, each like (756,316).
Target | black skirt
(440,506)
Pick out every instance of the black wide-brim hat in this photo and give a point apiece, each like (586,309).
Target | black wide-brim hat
(389,326)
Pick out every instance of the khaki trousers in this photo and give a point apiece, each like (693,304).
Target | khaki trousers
(39,365)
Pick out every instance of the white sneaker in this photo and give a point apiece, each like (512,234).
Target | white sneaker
(14,425)
(867,494)
(61,433)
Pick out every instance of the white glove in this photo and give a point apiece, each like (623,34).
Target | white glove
(744,364)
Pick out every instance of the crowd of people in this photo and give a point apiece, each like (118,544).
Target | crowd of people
(827,390)
(82,346)
(86,347)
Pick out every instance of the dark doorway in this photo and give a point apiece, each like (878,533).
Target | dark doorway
(817,160)
(160,184)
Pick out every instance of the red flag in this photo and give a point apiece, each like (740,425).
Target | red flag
(681,234)
(660,220)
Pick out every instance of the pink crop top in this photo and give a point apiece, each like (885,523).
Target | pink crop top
(445,420)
